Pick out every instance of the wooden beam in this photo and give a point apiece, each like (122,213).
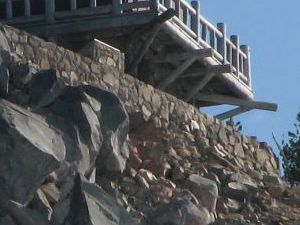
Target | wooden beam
(175,57)
(199,86)
(218,69)
(222,99)
(173,76)
(145,47)
(232,113)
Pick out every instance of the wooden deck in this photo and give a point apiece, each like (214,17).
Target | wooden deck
(193,58)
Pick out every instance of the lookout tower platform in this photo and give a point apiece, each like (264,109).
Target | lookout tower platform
(167,43)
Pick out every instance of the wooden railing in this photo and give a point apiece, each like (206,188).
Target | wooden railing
(206,34)
(188,19)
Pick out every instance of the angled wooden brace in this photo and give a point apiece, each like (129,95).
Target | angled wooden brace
(232,113)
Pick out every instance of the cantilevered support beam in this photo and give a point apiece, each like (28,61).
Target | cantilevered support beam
(175,57)
(232,113)
(221,99)
(218,69)
(201,53)
(155,30)
(199,86)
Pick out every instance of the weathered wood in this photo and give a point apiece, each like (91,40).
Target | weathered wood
(218,69)
(222,41)
(199,86)
(222,99)
(232,113)
(155,30)
(235,56)
(50,10)
(195,19)
(27,11)
(8,9)
(199,53)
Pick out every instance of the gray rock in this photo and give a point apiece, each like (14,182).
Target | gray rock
(44,87)
(29,150)
(180,212)
(114,127)
(87,203)
(236,191)
(76,114)
(4,81)
(21,72)
(205,190)
(3,41)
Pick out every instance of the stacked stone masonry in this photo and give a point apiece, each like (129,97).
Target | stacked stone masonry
(166,110)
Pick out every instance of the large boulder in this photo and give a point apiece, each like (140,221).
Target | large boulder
(205,190)
(114,126)
(180,212)
(77,114)
(30,149)
(88,204)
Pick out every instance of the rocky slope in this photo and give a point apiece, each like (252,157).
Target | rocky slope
(74,153)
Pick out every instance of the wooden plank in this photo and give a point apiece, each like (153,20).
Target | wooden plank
(155,30)
(199,53)
(84,12)
(218,69)
(222,99)
(232,113)
(173,76)
(199,86)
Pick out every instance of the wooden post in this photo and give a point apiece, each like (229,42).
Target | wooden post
(154,5)
(247,63)
(195,20)
(222,42)
(235,57)
(50,10)
(8,9)
(117,6)
(73,4)
(27,11)
(93,3)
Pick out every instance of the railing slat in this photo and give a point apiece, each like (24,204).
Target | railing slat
(212,36)
(204,32)
(235,57)
(27,11)
(185,15)
(8,9)
(154,5)
(247,63)
(73,4)
(50,10)
(195,18)
(93,3)
(177,8)
(221,45)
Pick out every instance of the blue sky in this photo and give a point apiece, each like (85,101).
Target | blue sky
(272,29)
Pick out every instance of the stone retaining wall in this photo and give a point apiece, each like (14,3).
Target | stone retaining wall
(161,107)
